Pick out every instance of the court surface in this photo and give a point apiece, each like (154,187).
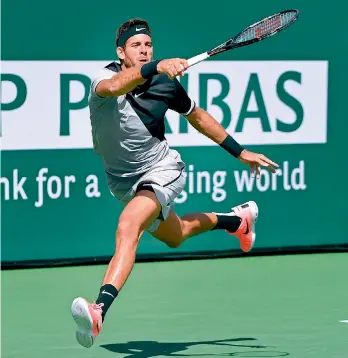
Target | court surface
(272,306)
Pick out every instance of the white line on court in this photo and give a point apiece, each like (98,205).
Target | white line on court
(345,321)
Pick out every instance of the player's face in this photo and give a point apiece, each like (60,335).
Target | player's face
(137,50)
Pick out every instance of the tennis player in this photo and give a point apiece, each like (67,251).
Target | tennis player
(128,101)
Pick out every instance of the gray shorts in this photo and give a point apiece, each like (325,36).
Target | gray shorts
(167,179)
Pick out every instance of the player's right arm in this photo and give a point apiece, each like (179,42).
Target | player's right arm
(128,79)
(121,83)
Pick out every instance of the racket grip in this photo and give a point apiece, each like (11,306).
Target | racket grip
(193,60)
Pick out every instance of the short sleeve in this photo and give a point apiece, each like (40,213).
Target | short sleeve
(103,74)
(181,102)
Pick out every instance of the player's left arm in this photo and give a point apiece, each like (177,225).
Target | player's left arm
(208,126)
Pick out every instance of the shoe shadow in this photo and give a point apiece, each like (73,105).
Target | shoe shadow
(148,349)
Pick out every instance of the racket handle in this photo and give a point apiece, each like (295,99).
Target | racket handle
(193,60)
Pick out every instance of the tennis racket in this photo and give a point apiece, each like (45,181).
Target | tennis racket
(256,32)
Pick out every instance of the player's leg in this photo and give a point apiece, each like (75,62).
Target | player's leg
(240,222)
(136,217)
(174,230)
(168,184)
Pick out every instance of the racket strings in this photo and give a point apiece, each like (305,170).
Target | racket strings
(247,35)
(266,27)
(287,17)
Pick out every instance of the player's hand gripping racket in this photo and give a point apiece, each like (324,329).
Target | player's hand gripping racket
(253,33)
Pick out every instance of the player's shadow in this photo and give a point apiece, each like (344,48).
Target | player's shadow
(148,349)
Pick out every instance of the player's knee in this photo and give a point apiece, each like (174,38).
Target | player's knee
(171,231)
(127,228)
(174,244)
(173,240)
(176,239)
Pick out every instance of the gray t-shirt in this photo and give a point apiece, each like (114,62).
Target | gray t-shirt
(128,131)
